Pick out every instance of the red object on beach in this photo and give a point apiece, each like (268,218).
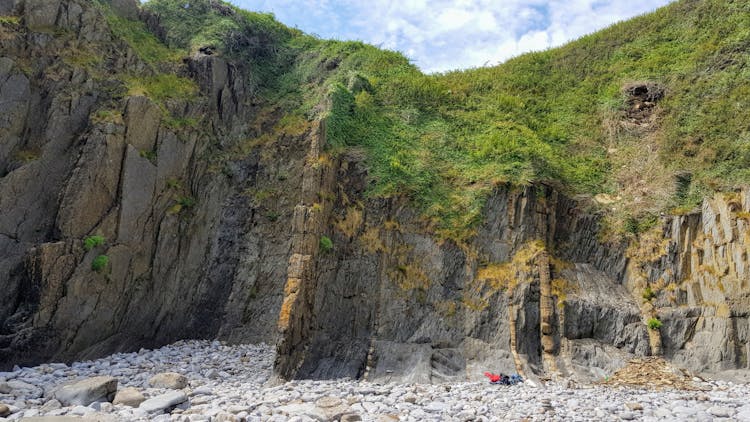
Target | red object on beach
(492,377)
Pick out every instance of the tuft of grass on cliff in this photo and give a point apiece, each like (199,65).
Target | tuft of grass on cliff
(559,116)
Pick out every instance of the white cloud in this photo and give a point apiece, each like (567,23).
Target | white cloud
(441,35)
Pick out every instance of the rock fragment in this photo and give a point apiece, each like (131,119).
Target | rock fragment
(129,397)
(170,380)
(164,402)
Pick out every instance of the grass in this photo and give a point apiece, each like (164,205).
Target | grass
(148,154)
(446,141)
(27,155)
(326,244)
(93,241)
(140,39)
(162,87)
(99,264)
(9,20)
(648,294)
(255,40)
(654,324)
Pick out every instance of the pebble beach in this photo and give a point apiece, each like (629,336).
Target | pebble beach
(211,381)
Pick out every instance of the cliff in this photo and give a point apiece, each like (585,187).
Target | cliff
(154,189)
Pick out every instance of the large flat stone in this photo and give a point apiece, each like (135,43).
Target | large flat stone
(85,392)
(164,402)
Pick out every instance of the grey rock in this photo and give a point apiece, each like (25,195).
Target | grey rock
(21,388)
(304,409)
(164,402)
(142,119)
(41,15)
(436,407)
(51,405)
(203,390)
(628,416)
(87,391)
(720,411)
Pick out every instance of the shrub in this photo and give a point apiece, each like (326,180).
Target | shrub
(326,244)
(654,324)
(648,293)
(186,201)
(148,154)
(93,241)
(273,216)
(100,263)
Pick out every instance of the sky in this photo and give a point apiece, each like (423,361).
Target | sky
(441,35)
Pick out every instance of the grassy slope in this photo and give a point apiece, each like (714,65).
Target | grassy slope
(560,115)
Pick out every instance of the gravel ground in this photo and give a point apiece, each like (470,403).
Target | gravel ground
(229,383)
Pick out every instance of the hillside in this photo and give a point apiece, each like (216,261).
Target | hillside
(564,116)
(178,170)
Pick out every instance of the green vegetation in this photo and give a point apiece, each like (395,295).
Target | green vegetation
(99,264)
(186,201)
(326,244)
(140,39)
(654,324)
(27,155)
(648,294)
(9,20)
(637,225)
(93,241)
(162,87)
(570,116)
(150,155)
(255,40)
(273,216)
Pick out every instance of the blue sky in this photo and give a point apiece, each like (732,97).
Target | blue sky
(441,35)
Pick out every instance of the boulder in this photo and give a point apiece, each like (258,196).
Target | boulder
(164,402)
(85,392)
(4,410)
(304,409)
(129,397)
(171,380)
(50,406)
(41,15)
(19,388)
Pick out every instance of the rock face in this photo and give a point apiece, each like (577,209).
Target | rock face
(195,247)
(395,304)
(85,392)
(213,230)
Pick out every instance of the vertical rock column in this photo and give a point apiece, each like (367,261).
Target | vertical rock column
(546,314)
(512,317)
(310,215)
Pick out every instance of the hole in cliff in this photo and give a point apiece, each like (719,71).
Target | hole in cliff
(641,101)
(207,50)
(644,91)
